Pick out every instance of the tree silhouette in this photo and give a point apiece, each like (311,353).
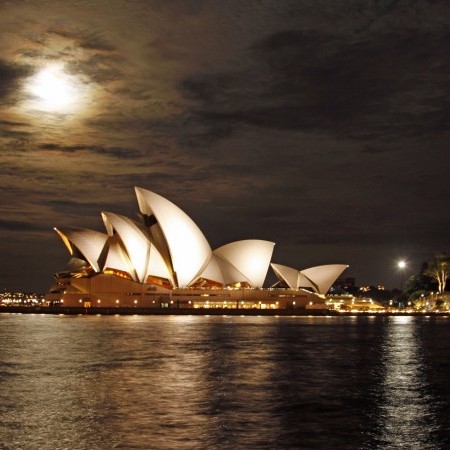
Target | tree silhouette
(439,270)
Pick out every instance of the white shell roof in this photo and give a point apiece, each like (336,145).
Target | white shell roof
(89,242)
(157,266)
(143,255)
(249,257)
(324,276)
(293,277)
(319,278)
(221,271)
(213,271)
(171,246)
(117,257)
(189,250)
(231,274)
(286,274)
(135,242)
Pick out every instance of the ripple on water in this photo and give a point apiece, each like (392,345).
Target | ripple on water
(223,382)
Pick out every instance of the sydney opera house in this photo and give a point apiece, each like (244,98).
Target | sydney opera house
(163,260)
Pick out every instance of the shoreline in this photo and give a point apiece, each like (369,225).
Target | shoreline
(127,311)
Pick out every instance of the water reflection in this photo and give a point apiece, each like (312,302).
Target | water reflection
(408,410)
(223,383)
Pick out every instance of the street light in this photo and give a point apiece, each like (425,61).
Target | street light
(401,265)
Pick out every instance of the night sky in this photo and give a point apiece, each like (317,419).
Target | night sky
(320,125)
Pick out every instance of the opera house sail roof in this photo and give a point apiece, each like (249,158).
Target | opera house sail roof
(166,248)
(319,278)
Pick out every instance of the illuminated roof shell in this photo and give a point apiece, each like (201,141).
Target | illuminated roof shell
(251,258)
(169,245)
(157,266)
(213,271)
(189,250)
(135,242)
(89,243)
(117,257)
(144,258)
(223,272)
(319,278)
(292,277)
(324,276)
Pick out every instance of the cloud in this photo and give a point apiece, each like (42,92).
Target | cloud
(94,39)
(81,209)
(84,51)
(326,125)
(99,68)
(10,123)
(16,133)
(114,152)
(374,86)
(20,226)
(11,77)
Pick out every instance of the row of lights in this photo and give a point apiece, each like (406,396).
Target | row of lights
(117,301)
(171,302)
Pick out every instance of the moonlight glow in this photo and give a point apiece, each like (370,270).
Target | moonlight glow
(54,90)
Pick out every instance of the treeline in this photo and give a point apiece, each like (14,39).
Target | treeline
(431,280)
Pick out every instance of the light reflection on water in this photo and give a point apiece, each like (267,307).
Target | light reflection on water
(408,418)
(189,382)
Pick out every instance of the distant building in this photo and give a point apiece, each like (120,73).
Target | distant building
(347,283)
(164,260)
(21,298)
(346,303)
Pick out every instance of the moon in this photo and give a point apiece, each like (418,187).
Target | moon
(53,90)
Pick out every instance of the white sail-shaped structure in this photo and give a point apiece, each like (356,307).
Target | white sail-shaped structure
(189,251)
(165,249)
(136,244)
(117,257)
(251,258)
(292,277)
(89,243)
(319,278)
(324,276)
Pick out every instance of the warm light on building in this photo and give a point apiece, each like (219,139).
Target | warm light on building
(167,262)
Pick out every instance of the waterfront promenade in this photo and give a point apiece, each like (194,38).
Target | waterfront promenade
(207,311)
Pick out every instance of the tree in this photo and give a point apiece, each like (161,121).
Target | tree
(420,282)
(439,270)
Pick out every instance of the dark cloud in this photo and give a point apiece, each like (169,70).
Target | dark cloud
(209,89)
(11,77)
(114,152)
(81,209)
(21,226)
(371,149)
(99,61)
(94,40)
(159,179)
(16,132)
(380,86)
(9,123)
(99,68)
(81,37)
(322,126)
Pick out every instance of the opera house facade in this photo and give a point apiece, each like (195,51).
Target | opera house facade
(163,260)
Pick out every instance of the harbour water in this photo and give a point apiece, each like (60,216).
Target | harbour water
(199,382)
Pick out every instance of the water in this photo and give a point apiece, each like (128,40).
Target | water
(180,382)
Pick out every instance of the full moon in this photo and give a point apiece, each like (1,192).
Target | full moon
(54,90)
